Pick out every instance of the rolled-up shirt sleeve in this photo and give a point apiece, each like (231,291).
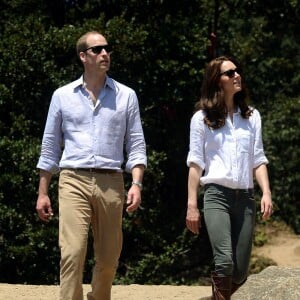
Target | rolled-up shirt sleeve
(52,139)
(259,154)
(134,137)
(196,149)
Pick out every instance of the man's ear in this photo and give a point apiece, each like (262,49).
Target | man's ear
(82,56)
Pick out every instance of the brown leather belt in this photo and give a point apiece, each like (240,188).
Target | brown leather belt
(94,170)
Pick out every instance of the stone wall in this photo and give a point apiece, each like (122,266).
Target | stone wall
(273,283)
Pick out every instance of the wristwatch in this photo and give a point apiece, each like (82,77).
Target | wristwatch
(139,184)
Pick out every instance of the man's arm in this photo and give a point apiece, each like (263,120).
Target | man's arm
(134,194)
(43,204)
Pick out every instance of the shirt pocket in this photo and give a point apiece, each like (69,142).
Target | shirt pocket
(76,122)
(111,130)
(245,142)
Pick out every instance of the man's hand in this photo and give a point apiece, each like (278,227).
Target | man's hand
(43,207)
(133,198)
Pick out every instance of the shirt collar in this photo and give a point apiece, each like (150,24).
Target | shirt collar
(77,83)
(109,82)
(80,82)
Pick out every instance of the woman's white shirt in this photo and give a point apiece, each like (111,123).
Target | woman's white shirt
(228,154)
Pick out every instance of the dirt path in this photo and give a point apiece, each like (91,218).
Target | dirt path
(119,292)
(283,248)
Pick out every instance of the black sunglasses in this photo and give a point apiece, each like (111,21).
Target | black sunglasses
(98,49)
(230,73)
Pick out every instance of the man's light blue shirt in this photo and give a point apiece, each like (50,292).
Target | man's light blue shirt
(79,134)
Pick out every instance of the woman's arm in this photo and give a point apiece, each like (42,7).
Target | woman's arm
(262,178)
(193,221)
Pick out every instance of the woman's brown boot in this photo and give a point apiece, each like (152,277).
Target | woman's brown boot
(221,287)
(235,286)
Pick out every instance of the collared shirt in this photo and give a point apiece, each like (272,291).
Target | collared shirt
(228,154)
(79,134)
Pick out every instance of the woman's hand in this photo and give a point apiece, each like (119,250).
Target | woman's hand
(266,206)
(193,219)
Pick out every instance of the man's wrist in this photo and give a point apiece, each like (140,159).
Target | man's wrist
(138,183)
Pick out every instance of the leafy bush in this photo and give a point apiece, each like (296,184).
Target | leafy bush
(160,50)
(281,135)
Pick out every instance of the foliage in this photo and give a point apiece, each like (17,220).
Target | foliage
(160,50)
(23,239)
(260,238)
(258,263)
(281,135)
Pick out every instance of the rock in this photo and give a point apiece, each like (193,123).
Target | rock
(273,283)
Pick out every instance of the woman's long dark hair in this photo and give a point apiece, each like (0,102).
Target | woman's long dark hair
(212,100)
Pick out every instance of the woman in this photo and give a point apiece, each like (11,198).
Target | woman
(226,152)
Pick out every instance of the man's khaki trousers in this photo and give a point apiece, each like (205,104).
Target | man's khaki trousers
(88,198)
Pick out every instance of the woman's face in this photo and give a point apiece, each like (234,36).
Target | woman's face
(230,79)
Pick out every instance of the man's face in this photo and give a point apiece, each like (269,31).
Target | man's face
(97,54)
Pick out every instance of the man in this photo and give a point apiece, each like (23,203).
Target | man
(94,118)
